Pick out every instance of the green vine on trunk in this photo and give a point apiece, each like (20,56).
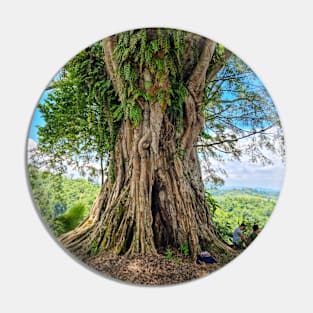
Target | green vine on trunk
(112,171)
(160,53)
(94,248)
(184,248)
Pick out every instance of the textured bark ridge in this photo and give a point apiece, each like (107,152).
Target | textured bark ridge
(156,198)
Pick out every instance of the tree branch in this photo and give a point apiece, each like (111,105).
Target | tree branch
(223,151)
(232,77)
(111,66)
(233,100)
(51,85)
(196,80)
(218,65)
(235,139)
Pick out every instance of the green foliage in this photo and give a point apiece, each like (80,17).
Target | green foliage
(169,253)
(219,54)
(232,207)
(112,171)
(180,153)
(94,248)
(78,115)
(62,202)
(69,220)
(213,204)
(184,248)
(134,113)
(160,52)
(176,111)
(42,187)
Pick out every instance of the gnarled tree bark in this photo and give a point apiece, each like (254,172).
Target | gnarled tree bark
(157,198)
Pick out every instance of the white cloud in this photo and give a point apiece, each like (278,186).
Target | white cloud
(71,171)
(31,146)
(244,173)
(31,143)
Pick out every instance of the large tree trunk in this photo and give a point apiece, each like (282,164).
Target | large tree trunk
(156,198)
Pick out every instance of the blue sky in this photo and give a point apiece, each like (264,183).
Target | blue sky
(37,120)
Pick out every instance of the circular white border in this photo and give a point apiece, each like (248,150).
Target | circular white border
(274,38)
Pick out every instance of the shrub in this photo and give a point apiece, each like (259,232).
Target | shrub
(184,248)
(70,219)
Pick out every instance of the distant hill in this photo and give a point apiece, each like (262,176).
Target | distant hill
(244,191)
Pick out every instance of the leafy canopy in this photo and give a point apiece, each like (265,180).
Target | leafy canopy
(83,112)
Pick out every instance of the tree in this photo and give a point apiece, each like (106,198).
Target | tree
(76,115)
(41,184)
(170,100)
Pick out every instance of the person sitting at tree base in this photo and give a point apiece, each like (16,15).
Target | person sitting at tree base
(254,234)
(205,257)
(239,239)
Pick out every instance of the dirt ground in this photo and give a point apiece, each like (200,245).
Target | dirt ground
(148,270)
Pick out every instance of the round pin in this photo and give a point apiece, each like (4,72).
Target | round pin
(155,156)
